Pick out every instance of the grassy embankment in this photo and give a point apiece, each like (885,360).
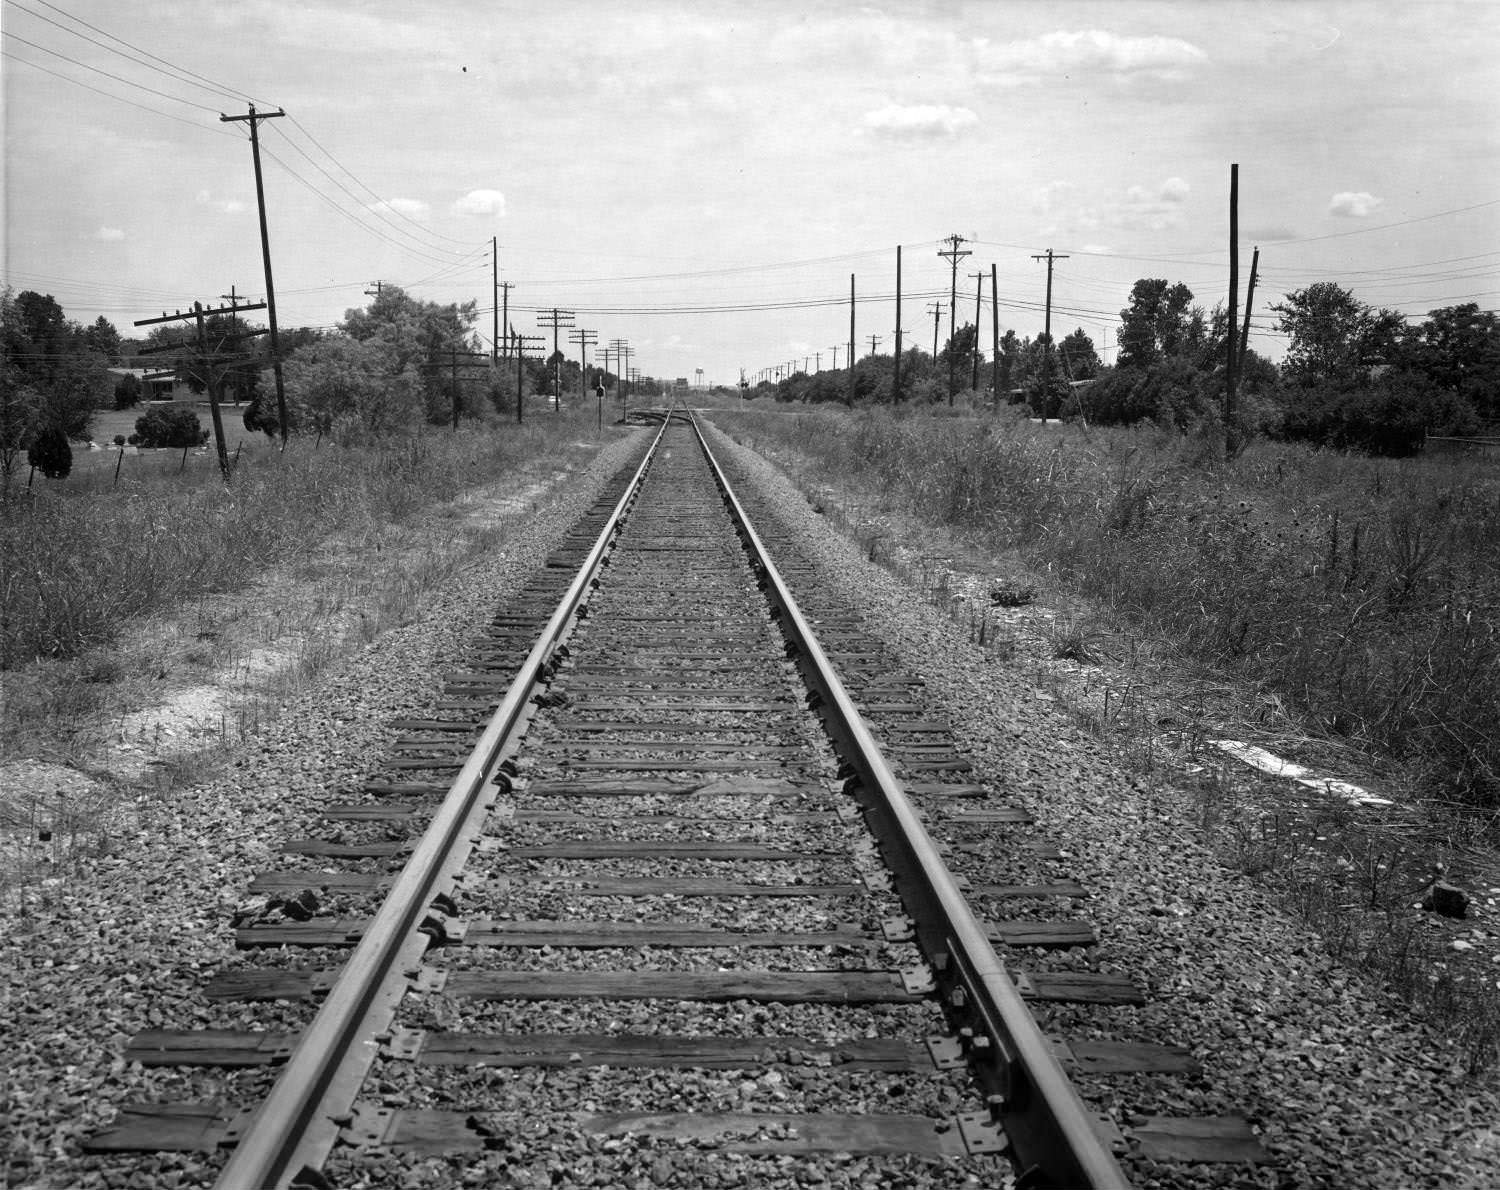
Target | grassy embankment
(88,556)
(1361,595)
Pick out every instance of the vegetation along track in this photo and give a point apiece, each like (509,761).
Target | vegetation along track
(646,895)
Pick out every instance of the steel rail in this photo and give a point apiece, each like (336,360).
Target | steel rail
(1050,1129)
(297,1124)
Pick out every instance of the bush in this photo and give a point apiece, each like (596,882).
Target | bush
(170,425)
(127,392)
(50,454)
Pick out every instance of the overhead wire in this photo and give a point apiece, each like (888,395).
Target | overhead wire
(117,78)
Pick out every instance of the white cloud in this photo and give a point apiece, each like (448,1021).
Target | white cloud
(412,208)
(1088,51)
(481,203)
(109,235)
(226,206)
(1158,209)
(923,121)
(1353,204)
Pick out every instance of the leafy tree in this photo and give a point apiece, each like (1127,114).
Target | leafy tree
(50,453)
(1335,337)
(127,391)
(1159,322)
(350,387)
(170,425)
(1458,349)
(102,339)
(417,336)
(1077,356)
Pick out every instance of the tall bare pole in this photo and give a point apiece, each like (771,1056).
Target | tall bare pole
(896,375)
(254,120)
(995,337)
(1231,438)
(954,255)
(505,288)
(978,299)
(835,351)
(1249,297)
(1047,347)
(851,341)
(494,309)
(936,310)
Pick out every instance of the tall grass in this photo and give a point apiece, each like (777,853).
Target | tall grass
(1364,591)
(79,558)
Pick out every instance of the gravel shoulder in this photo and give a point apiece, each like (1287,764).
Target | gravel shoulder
(1347,1088)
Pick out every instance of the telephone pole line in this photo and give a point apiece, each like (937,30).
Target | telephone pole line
(521,344)
(1249,297)
(505,287)
(212,373)
(454,355)
(954,255)
(494,306)
(583,338)
(1047,348)
(1231,437)
(978,299)
(995,337)
(875,342)
(254,119)
(852,376)
(622,353)
(936,310)
(555,318)
(896,374)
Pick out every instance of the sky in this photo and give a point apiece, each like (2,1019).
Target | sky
(700,179)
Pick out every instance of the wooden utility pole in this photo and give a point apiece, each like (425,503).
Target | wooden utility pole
(954,255)
(453,356)
(835,351)
(936,310)
(978,300)
(521,344)
(896,374)
(995,337)
(1249,297)
(505,288)
(254,120)
(622,352)
(375,293)
(583,338)
(206,359)
(494,305)
(1047,347)
(875,342)
(1231,350)
(555,318)
(851,341)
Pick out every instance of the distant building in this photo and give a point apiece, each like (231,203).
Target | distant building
(680,382)
(157,384)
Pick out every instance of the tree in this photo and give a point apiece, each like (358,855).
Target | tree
(171,425)
(1159,322)
(1458,348)
(348,387)
(127,391)
(1078,358)
(1335,337)
(416,335)
(50,453)
(102,339)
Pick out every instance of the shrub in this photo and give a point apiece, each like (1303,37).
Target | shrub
(127,391)
(170,425)
(50,454)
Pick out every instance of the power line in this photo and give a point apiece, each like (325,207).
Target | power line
(180,75)
(117,78)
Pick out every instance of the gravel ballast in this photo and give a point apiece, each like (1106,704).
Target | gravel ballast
(1346,1088)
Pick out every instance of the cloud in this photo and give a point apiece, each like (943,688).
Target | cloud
(110,235)
(923,121)
(1158,209)
(481,203)
(226,206)
(1088,51)
(412,208)
(1353,204)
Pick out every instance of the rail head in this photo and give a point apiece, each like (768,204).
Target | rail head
(295,1126)
(1050,1128)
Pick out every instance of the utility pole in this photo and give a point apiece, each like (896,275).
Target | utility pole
(254,120)
(622,352)
(1047,349)
(835,351)
(875,342)
(1249,297)
(852,376)
(583,338)
(995,337)
(954,255)
(978,299)
(521,346)
(555,318)
(505,287)
(936,310)
(494,306)
(1231,438)
(214,376)
(375,293)
(896,374)
(818,360)
(453,356)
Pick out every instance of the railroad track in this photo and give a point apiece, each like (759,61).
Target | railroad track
(667,883)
